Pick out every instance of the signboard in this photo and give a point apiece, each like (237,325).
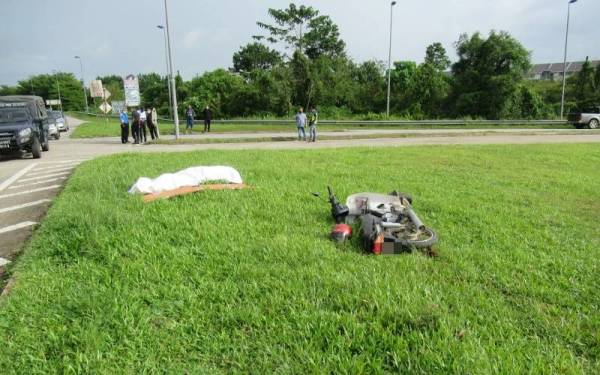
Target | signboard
(106,94)
(105,107)
(118,106)
(132,90)
(96,90)
(53,102)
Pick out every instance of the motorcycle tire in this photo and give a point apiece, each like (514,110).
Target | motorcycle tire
(431,240)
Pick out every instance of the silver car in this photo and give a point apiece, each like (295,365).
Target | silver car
(589,118)
(61,121)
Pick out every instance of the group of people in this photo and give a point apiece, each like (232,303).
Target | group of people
(190,114)
(143,120)
(303,119)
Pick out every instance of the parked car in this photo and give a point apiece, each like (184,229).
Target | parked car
(61,120)
(53,129)
(23,125)
(589,118)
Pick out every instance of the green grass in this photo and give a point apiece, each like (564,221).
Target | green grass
(99,127)
(183,140)
(247,281)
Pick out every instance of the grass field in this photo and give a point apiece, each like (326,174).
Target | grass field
(247,281)
(99,127)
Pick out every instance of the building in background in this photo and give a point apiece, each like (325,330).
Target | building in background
(554,72)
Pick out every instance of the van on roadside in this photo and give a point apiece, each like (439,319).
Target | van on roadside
(24,125)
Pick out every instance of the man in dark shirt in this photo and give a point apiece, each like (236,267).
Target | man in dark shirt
(207,118)
(135,128)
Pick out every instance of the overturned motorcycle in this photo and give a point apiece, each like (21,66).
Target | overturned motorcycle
(388,225)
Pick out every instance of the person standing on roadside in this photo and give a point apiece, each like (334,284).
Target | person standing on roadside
(151,125)
(313,118)
(207,119)
(300,124)
(155,120)
(135,128)
(143,118)
(189,115)
(124,126)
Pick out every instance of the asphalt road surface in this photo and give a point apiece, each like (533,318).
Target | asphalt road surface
(28,186)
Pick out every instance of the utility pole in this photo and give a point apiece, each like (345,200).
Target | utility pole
(389,88)
(172,78)
(58,87)
(87,109)
(168,75)
(562,101)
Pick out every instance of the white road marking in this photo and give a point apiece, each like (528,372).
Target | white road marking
(25,224)
(73,165)
(30,191)
(25,205)
(16,176)
(4,262)
(43,176)
(51,170)
(65,161)
(37,183)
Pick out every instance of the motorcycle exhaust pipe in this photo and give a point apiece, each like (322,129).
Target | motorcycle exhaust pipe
(415,219)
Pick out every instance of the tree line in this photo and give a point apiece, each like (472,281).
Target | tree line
(299,59)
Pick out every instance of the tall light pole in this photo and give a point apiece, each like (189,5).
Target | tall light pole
(389,88)
(172,78)
(87,109)
(562,101)
(58,86)
(168,71)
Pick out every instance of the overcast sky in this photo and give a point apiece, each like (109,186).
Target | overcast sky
(120,36)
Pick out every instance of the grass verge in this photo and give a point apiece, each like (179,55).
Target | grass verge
(247,281)
(287,138)
(97,127)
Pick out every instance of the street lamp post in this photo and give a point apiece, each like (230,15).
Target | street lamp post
(172,78)
(58,87)
(168,71)
(562,101)
(389,83)
(87,109)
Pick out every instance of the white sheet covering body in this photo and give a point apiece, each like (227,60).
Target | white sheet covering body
(188,177)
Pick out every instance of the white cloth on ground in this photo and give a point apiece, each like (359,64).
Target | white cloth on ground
(188,177)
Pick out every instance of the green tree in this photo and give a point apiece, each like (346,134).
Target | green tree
(302,28)
(302,82)
(435,55)
(487,73)
(47,86)
(114,84)
(255,56)
(154,92)
(428,91)
(402,78)
(370,87)
(219,89)
(585,86)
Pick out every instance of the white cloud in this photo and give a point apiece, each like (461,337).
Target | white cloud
(192,39)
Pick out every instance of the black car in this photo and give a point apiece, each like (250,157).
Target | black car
(23,125)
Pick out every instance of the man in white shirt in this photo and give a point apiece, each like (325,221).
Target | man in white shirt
(143,132)
(301,123)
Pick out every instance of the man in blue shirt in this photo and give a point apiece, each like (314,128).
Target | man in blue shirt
(301,123)
(124,127)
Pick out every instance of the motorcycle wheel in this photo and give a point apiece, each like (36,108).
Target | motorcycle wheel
(426,239)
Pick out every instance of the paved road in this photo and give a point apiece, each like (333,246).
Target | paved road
(28,186)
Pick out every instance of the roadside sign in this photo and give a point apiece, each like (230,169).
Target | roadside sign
(53,102)
(105,107)
(132,90)
(96,90)
(106,94)
(117,106)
